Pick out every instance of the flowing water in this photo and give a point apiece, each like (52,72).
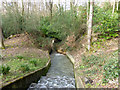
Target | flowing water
(60,74)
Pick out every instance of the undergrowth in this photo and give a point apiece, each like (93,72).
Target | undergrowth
(104,64)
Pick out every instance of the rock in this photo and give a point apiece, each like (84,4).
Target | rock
(53,82)
(58,77)
(40,84)
(43,87)
(70,86)
(49,79)
(33,85)
(50,84)
(39,81)
(44,81)
(73,83)
(43,78)
(62,83)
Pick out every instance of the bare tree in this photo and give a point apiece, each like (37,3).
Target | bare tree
(59,7)
(87,11)
(117,4)
(113,6)
(72,2)
(22,16)
(65,5)
(29,5)
(50,7)
(46,6)
(1,39)
(90,24)
(1,35)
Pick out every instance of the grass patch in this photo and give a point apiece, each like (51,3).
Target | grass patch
(20,65)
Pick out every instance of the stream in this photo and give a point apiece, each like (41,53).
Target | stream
(60,74)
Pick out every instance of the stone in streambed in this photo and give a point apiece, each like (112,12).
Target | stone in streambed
(33,85)
(45,87)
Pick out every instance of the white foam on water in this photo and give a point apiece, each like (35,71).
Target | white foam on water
(58,54)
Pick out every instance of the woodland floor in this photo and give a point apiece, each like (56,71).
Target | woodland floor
(104,50)
(21,46)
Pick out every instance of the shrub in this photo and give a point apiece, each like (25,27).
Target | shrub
(105,23)
(24,67)
(4,69)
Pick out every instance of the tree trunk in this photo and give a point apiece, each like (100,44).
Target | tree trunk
(22,16)
(90,24)
(117,5)
(1,39)
(113,7)
(87,11)
(59,8)
(51,5)
(71,4)
(29,2)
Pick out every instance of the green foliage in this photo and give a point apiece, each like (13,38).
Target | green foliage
(20,57)
(61,25)
(24,67)
(107,65)
(43,28)
(34,62)
(93,71)
(92,60)
(4,69)
(111,69)
(105,23)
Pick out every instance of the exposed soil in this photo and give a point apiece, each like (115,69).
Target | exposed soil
(21,44)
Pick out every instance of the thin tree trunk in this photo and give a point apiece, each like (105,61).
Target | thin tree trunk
(51,5)
(28,7)
(71,4)
(117,5)
(22,8)
(59,6)
(113,7)
(65,5)
(87,11)
(1,39)
(22,16)
(1,35)
(90,24)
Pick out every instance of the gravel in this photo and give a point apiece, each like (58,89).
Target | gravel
(47,83)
